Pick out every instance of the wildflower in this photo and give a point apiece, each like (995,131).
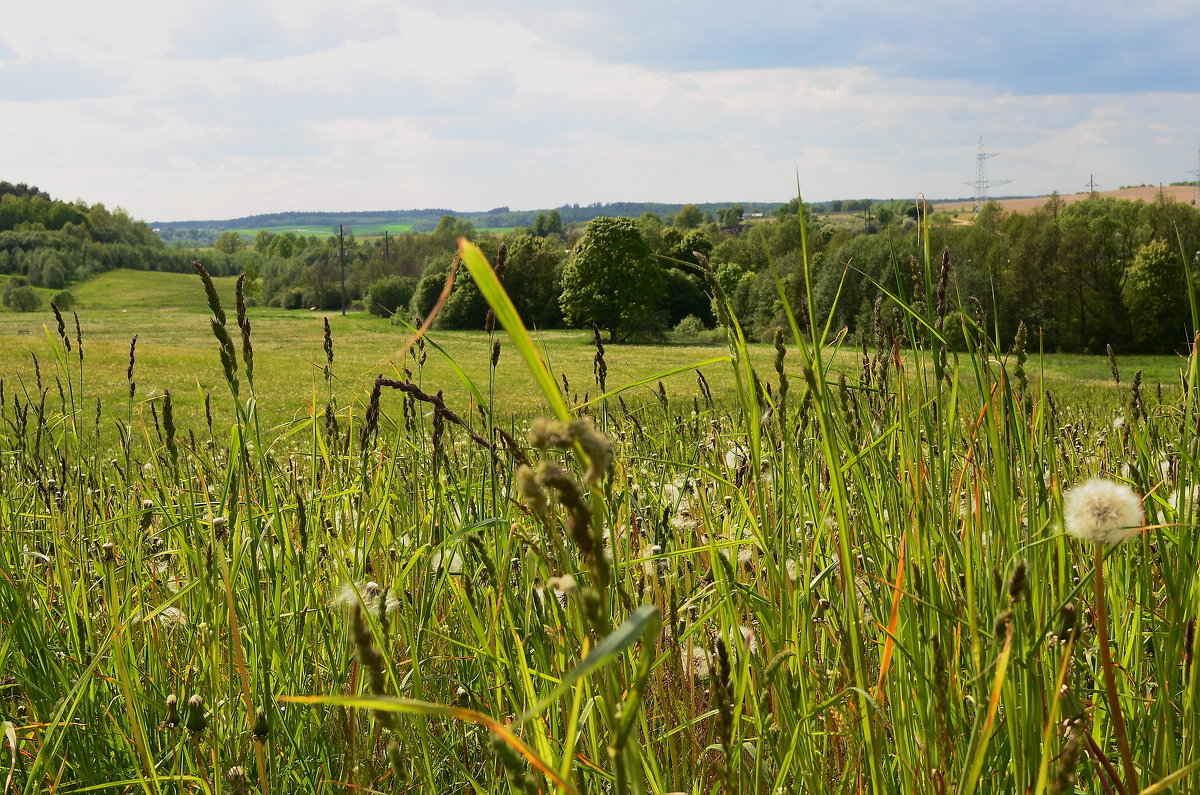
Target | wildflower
(749,639)
(172,617)
(736,456)
(564,584)
(370,592)
(695,661)
(451,561)
(1101,511)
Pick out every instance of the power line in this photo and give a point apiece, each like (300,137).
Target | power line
(982,183)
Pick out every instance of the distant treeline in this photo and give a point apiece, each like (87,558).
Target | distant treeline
(1081,276)
(206,232)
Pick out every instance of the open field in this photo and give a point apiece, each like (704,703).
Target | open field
(850,578)
(1180,193)
(176,351)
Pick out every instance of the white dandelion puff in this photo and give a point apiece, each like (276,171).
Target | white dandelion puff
(368,594)
(1101,511)
(171,617)
(695,660)
(564,584)
(450,561)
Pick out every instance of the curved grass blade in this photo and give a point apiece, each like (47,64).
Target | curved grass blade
(605,651)
(651,379)
(506,313)
(1161,786)
(412,706)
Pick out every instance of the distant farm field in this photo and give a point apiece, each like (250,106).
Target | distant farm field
(1179,193)
(321,231)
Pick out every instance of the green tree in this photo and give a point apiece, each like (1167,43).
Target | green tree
(1155,295)
(429,287)
(731,217)
(229,243)
(611,281)
(390,294)
(546,224)
(262,241)
(19,296)
(689,217)
(532,278)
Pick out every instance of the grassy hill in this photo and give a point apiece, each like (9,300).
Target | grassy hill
(129,289)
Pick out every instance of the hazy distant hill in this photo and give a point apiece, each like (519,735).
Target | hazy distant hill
(426,220)
(1024,204)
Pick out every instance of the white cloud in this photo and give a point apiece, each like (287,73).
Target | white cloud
(372,106)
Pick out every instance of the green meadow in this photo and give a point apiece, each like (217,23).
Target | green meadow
(520,563)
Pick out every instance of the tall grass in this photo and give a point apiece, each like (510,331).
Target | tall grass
(829,584)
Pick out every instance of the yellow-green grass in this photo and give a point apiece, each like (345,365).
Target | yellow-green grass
(176,350)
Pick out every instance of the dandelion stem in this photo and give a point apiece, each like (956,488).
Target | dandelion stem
(1110,683)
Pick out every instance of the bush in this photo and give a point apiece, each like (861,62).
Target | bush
(64,300)
(389,295)
(22,298)
(293,298)
(690,326)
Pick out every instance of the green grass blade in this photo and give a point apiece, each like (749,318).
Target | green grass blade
(493,292)
(604,652)
(412,706)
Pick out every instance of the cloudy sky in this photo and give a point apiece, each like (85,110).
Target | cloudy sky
(195,109)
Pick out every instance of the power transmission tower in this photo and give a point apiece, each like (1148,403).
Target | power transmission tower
(1092,184)
(1196,174)
(982,183)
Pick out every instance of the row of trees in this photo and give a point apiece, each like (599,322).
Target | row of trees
(1083,275)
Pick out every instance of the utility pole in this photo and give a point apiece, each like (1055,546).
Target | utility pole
(386,254)
(342,261)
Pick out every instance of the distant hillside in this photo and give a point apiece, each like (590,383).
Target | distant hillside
(373,222)
(1180,193)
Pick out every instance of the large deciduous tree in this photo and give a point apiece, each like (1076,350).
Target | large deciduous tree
(1155,294)
(689,217)
(610,280)
(229,242)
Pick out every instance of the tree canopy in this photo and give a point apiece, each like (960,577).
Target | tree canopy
(610,280)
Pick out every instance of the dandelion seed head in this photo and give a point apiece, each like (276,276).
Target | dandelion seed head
(450,561)
(695,661)
(564,583)
(1101,511)
(171,617)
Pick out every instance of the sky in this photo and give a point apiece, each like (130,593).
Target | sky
(212,109)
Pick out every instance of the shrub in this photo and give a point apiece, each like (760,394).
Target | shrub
(293,298)
(22,299)
(690,326)
(390,294)
(64,300)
